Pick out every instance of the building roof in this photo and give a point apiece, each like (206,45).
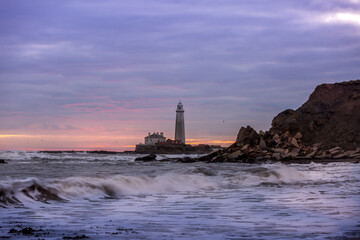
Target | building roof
(155,135)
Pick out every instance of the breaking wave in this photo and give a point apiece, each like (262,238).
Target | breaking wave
(273,174)
(81,156)
(84,156)
(18,192)
(15,192)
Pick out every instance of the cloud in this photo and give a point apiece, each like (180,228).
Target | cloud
(343,17)
(59,127)
(120,64)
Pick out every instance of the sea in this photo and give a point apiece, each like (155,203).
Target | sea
(82,195)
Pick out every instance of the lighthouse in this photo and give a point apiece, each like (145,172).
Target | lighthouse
(180,123)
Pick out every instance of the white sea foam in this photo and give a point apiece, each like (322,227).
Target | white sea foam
(96,187)
(193,179)
(184,201)
(26,155)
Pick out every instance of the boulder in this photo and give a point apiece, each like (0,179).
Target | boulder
(210,156)
(276,155)
(262,143)
(349,153)
(2,161)
(187,160)
(276,138)
(355,155)
(298,135)
(151,157)
(234,155)
(278,150)
(334,151)
(294,142)
(286,151)
(311,155)
(293,153)
(245,147)
(323,155)
(247,136)
(286,135)
(340,155)
(251,150)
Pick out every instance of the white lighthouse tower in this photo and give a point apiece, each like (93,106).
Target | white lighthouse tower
(180,123)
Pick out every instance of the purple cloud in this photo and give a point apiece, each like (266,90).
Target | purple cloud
(242,62)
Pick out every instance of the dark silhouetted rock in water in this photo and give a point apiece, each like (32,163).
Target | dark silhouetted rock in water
(330,117)
(13,230)
(150,157)
(2,161)
(77,237)
(187,160)
(25,231)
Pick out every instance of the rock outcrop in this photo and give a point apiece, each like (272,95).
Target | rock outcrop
(286,147)
(327,126)
(148,158)
(247,136)
(330,117)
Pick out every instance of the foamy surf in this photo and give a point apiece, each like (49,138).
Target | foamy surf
(106,197)
(15,192)
(70,157)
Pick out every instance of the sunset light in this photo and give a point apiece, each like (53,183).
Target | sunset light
(184,120)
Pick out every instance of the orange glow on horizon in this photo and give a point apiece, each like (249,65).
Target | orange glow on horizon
(210,142)
(67,142)
(13,135)
(79,142)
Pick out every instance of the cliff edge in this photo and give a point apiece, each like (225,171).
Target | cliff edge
(326,127)
(331,117)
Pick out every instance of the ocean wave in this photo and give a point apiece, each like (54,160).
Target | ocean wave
(63,156)
(193,179)
(82,156)
(268,175)
(14,192)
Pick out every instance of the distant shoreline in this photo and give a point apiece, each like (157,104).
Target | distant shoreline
(92,151)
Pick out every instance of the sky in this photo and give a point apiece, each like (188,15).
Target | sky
(91,75)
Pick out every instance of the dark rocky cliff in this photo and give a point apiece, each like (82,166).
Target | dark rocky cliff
(331,117)
(325,128)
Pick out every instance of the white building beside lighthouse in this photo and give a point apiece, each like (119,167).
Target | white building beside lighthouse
(152,139)
(180,123)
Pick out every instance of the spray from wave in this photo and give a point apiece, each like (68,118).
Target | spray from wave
(194,179)
(16,192)
(274,174)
